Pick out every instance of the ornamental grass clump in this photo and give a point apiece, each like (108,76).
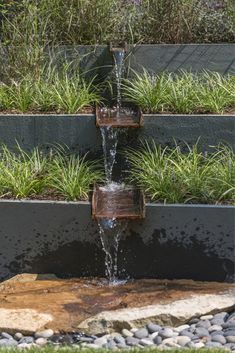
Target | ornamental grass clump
(181,93)
(36,175)
(22,174)
(55,91)
(171,176)
(72,176)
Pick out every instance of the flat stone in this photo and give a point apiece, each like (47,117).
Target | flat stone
(26,321)
(6,335)
(119,339)
(170,314)
(92,346)
(183,340)
(27,339)
(186,333)
(229,324)
(141,333)
(230,339)
(218,338)
(44,334)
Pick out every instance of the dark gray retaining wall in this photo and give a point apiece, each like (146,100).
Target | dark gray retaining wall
(155,58)
(79,132)
(174,241)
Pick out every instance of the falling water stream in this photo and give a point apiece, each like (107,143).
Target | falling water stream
(111,229)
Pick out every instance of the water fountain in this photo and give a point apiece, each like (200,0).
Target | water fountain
(114,204)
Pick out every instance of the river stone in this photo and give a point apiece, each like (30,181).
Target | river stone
(175,313)
(183,340)
(92,346)
(199,345)
(229,333)
(166,333)
(212,344)
(44,334)
(231,316)
(229,324)
(18,336)
(201,332)
(85,339)
(127,333)
(230,339)
(218,338)
(215,328)
(119,339)
(27,339)
(110,344)
(217,321)
(41,341)
(146,342)
(153,328)
(203,323)
(141,333)
(157,340)
(132,341)
(100,341)
(181,328)
(206,317)
(8,342)
(186,333)
(6,335)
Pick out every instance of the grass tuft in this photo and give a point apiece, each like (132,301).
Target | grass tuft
(171,176)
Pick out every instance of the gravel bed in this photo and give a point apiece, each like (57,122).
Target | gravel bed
(209,331)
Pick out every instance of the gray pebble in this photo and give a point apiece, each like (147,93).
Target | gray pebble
(229,333)
(157,340)
(215,328)
(230,339)
(6,335)
(186,333)
(217,333)
(213,344)
(153,328)
(4,342)
(92,346)
(146,342)
(26,339)
(217,321)
(218,338)
(203,323)
(231,316)
(166,333)
(132,341)
(141,333)
(111,344)
(119,339)
(194,321)
(100,341)
(229,324)
(121,345)
(86,339)
(201,332)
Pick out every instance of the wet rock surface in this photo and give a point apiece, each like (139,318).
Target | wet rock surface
(71,303)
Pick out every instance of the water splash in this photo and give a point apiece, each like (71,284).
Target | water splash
(109,143)
(110,232)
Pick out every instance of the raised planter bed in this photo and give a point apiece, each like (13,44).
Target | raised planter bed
(173,241)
